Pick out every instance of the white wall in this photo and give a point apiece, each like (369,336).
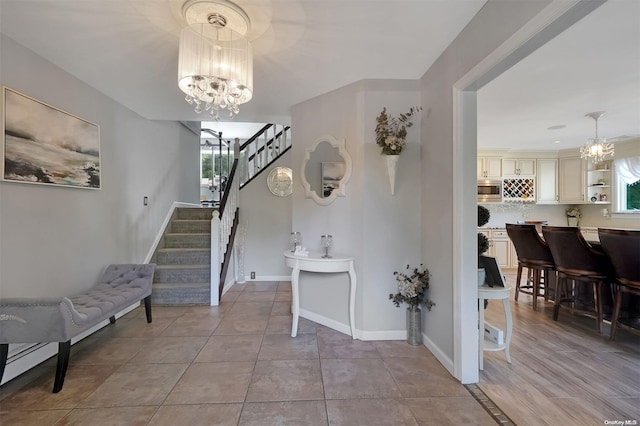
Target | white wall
(391,223)
(495,23)
(269,225)
(379,229)
(57,240)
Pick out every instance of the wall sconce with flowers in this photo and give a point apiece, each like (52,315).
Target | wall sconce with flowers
(391,134)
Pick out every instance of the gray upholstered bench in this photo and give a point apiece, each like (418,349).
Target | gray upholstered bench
(33,320)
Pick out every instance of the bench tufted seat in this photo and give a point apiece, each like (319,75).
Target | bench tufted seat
(59,320)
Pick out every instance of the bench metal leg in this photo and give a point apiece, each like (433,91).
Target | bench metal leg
(147,307)
(112,319)
(64,348)
(4,352)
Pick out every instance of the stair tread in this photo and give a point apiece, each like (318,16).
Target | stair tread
(181,285)
(183,266)
(184,249)
(187,233)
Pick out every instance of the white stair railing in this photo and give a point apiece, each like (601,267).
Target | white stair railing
(262,149)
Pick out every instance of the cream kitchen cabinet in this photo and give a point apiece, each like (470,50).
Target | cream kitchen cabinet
(499,246)
(513,255)
(489,168)
(571,180)
(547,177)
(525,167)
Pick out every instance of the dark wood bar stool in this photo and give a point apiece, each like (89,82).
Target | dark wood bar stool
(623,249)
(533,253)
(577,261)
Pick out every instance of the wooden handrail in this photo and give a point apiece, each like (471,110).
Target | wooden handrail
(227,189)
(254,137)
(257,174)
(269,142)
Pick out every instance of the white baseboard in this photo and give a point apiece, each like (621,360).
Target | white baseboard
(381,335)
(439,354)
(37,353)
(402,335)
(227,287)
(327,322)
(271,278)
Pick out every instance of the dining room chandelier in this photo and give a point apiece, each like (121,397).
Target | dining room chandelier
(215,60)
(597,148)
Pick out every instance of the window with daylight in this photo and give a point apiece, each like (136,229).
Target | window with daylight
(214,165)
(627,184)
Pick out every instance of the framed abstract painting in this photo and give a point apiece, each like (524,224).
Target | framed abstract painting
(45,145)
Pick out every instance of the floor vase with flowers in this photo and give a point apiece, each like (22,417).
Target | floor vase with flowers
(414,325)
(412,286)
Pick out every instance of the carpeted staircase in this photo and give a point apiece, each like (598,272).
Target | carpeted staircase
(183,274)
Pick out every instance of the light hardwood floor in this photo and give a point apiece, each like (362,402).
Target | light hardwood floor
(562,372)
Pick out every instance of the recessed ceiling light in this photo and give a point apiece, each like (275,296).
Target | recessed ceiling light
(556,141)
(557,127)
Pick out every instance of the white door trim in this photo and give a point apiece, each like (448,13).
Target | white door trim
(552,20)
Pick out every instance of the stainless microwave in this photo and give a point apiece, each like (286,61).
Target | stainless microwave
(489,191)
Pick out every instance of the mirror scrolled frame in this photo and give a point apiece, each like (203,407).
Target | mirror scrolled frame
(340,190)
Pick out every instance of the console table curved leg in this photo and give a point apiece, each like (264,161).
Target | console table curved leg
(481,333)
(494,293)
(295,301)
(507,337)
(352,300)
(314,262)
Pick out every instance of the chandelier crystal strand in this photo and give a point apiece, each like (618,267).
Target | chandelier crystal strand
(215,65)
(597,148)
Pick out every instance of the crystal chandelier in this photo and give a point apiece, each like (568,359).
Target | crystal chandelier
(215,63)
(597,148)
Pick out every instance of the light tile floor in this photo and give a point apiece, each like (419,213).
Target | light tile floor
(236,364)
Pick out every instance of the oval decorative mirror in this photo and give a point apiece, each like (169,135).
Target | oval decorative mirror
(326,169)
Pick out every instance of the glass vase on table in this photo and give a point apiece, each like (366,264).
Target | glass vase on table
(326,241)
(296,239)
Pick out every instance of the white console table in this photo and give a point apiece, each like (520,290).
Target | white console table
(493,293)
(314,262)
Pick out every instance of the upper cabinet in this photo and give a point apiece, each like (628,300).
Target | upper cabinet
(571,177)
(547,175)
(489,167)
(566,180)
(525,167)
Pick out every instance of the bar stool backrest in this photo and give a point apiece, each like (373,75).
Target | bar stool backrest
(623,249)
(530,247)
(573,255)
